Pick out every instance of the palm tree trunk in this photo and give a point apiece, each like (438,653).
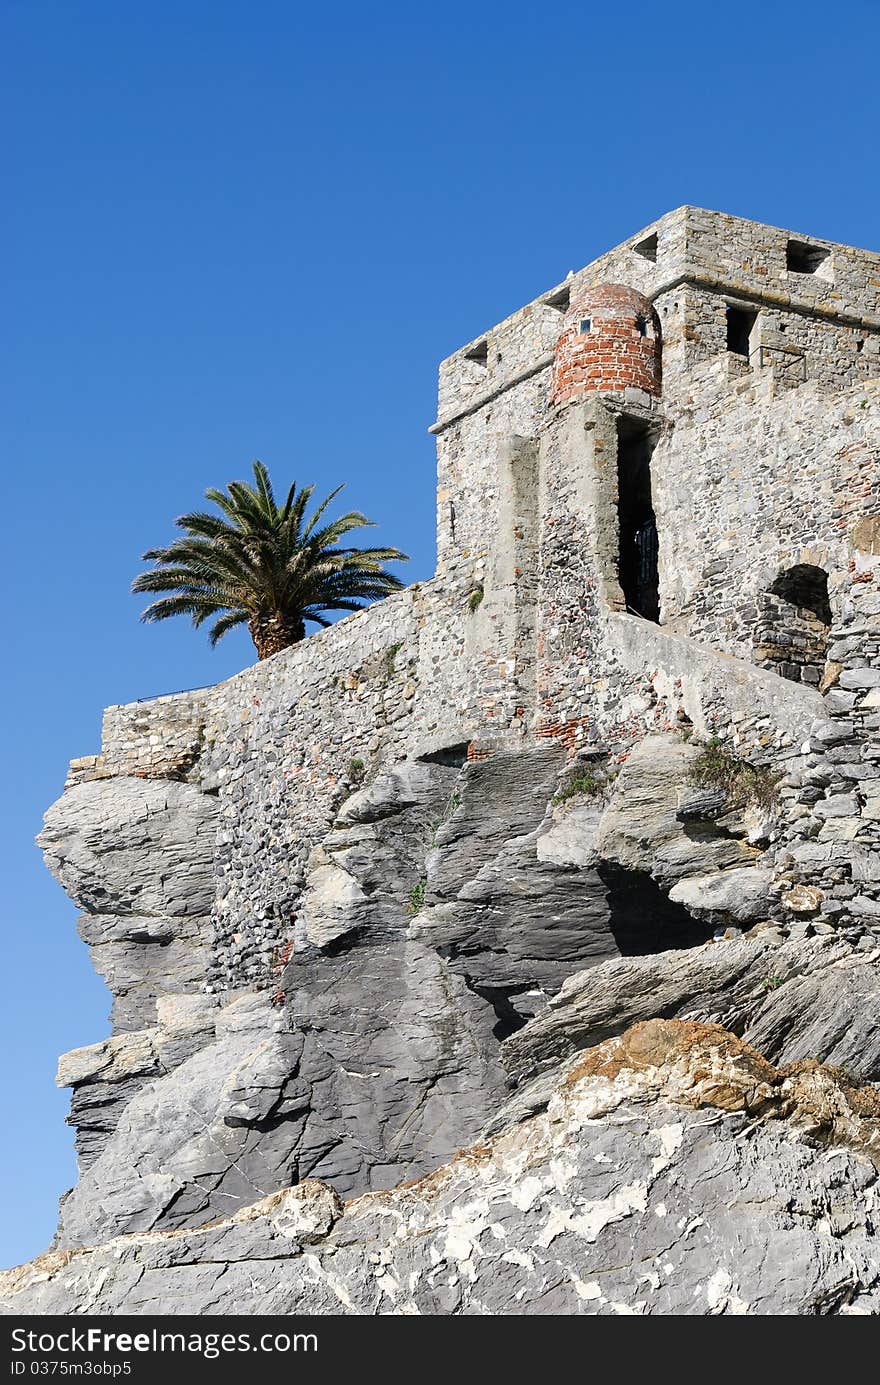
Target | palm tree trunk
(272,633)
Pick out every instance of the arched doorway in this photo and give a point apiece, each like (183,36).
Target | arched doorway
(794,618)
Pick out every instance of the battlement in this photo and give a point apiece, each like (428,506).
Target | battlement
(688,248)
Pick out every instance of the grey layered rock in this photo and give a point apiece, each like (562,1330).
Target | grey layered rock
(811,998)
(381,1065)
(139,846)
(362,876)
(380,1055)
(674,1173)
(657,821)
(144,957)
(741,895)
(137,855)
(520,891)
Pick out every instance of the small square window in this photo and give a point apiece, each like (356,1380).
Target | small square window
(586,325)
(740,324)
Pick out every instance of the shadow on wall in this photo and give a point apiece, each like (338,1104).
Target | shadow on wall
(794,619)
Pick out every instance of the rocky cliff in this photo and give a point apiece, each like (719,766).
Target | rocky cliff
(672,1170)
(558,1029)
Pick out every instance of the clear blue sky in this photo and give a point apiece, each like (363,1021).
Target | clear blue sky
(251,230)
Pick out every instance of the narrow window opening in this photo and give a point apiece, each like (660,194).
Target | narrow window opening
(647,248)
(642,325)
(478,353)
(637,568)
(586,325)
(740,324)
(802,258)
(560,300)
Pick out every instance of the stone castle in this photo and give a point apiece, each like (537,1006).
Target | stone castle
(351,899)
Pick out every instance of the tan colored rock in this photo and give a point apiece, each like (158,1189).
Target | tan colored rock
(830,675)
(803,899)
(866,535)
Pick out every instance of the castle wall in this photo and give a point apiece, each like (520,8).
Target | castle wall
(751,257)
(468,462)
(793,345)
(604,678)
(751,482)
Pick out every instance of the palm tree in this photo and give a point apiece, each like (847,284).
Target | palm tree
(268,566)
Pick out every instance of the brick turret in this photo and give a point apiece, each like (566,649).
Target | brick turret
(610,341)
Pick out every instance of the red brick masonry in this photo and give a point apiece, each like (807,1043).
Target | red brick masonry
(621,348)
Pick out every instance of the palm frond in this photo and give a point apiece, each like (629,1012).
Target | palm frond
(226,623)
(256,562)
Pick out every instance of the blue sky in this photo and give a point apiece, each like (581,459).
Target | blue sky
(252,230)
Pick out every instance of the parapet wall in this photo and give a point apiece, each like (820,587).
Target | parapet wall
(157,739)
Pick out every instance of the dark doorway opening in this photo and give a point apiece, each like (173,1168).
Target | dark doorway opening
(806,587)
(637,569)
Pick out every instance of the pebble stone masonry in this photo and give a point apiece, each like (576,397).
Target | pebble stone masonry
(747,360)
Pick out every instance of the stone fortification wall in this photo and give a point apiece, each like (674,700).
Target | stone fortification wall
(746,485)
(829,852)
(160,738)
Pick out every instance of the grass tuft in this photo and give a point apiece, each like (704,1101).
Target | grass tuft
(716,768)
(417,896)
(580,782)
